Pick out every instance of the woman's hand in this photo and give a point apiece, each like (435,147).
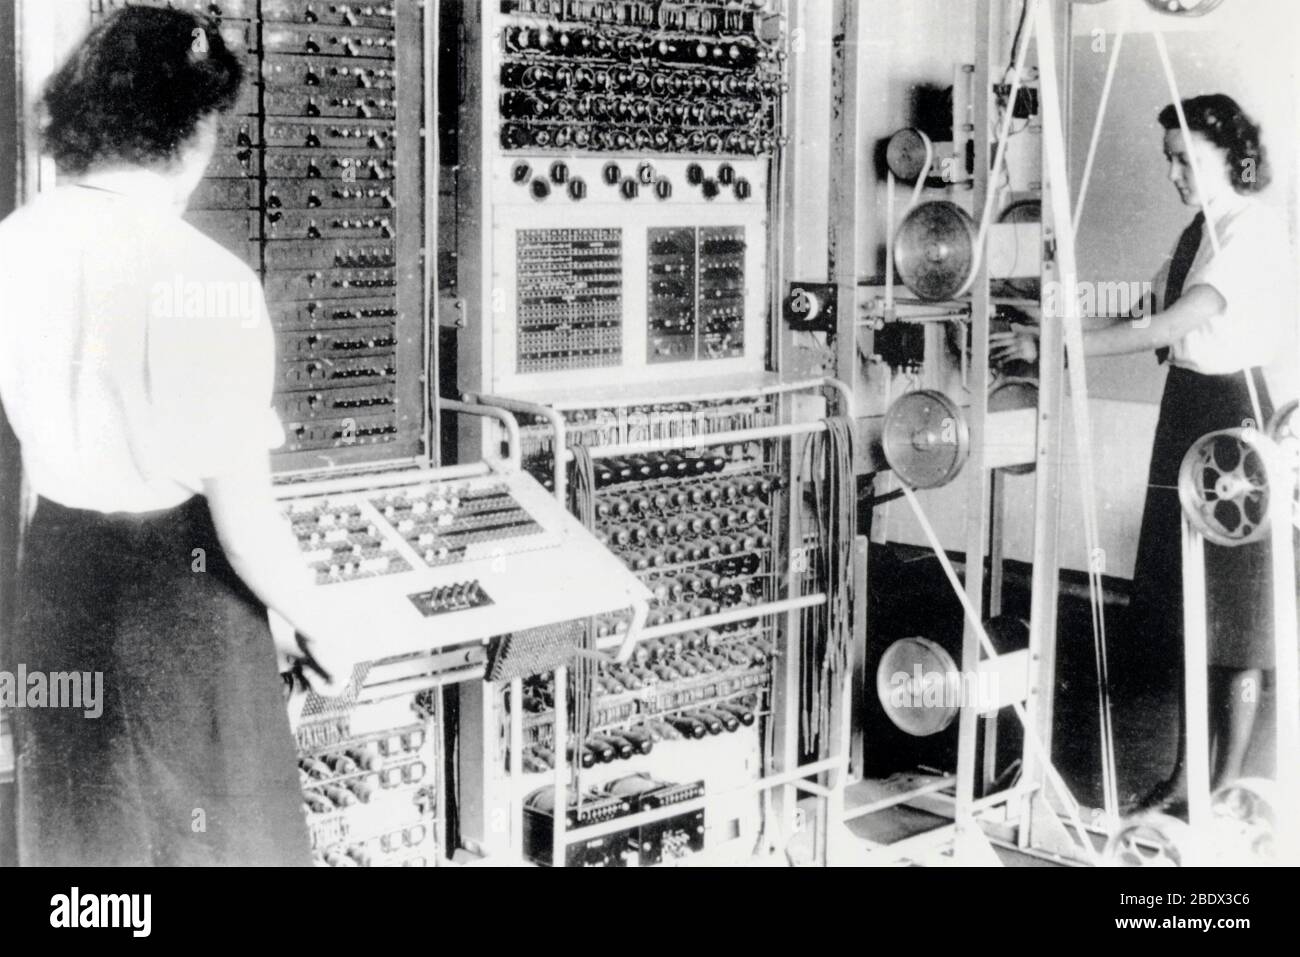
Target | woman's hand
(1018,344)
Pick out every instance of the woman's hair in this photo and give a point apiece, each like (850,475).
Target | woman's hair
(1220,120)
(136,88)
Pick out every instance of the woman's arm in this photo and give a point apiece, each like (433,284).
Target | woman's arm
(1198,305)
(263,552)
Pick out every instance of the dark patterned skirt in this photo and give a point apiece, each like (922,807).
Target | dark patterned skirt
(191,761)
(1238,582)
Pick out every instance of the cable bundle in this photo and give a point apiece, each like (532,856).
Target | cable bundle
(828,628)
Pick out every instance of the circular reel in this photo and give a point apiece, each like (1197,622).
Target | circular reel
(1012,393)
(1151,840)
(1245,821)
(1223,486)
(925,438)
(912,685)
(906,152)
(934,250)
(1285,431)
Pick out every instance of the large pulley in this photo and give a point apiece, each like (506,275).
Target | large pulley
(925,438)
(934,250)
(1223,486)
(915,684)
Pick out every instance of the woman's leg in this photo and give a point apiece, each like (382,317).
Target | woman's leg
(1234,712)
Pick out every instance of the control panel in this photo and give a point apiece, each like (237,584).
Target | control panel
(444,562)
(317,185)
(614,190)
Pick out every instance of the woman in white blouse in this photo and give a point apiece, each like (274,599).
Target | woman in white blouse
(144,419)
(1221,319)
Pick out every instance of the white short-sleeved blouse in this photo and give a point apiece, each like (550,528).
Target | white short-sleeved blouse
(1253,273)
(136,355)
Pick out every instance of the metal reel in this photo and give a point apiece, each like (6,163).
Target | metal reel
(906,152)
(1012,393)
(925,439)
(1151,840)
(1223,486)
(1285,431)
(913,684)
(934,250)
(1245,821)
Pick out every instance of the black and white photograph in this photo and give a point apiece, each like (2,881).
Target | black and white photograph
(650,433)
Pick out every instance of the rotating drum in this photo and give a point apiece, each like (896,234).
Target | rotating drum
(1223,486)
(1187,8)
(934,250)
(906,153)
(914,684)
(925,438)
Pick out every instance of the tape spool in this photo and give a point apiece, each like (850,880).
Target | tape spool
(1152,840)
(1245,821)
(1009,395)
(934,250)
(925,439)
(1223,486)
(913,684)
(1285,431)
(906,152)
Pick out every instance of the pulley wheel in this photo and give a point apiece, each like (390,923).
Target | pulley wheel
(1245,821)
(1010,395)
(915,684)
(1223,487)
(925,438)
(1285,430)
(1152,840)
(934,250)
(906,152)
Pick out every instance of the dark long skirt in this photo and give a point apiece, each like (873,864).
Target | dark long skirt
(1238,588)
(192,761)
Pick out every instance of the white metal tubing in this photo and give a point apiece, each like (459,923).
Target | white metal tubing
(1196,707)
(635,631)
(491,412)
(721,618)
(704,441)
(552,416)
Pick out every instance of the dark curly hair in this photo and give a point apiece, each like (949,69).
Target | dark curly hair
(136,88)
(1224,123)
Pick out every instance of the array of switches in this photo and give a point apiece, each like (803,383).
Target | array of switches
(644,77)
(340,543)
(444,522)
(569,299)
(304,188)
